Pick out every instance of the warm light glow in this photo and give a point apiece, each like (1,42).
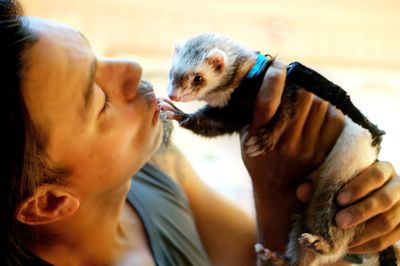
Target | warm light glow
(355,43)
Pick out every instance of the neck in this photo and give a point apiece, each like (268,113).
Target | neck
(94,235)
(238,68)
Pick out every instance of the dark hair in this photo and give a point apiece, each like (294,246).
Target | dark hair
(24,165)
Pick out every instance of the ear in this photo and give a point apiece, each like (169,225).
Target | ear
(50,203)
(217,59)
(179,45)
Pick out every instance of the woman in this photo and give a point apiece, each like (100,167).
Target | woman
(78,127)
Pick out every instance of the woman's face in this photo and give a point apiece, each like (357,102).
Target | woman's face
(102,122)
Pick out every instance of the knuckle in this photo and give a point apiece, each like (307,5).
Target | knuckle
(386,223)
(387,199)
(336,117)
(276,73)
(360,214)
(289,149)
(264,107)
(358,189)
(378,175)
(279,64)
(362,210)
(305,95)
(378,244)
(320,107)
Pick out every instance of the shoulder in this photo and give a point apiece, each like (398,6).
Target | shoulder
(173,163)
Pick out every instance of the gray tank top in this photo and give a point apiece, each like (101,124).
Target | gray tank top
(167,218)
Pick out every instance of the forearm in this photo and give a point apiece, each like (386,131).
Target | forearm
(274,205)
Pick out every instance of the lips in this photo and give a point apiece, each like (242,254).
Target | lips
(147,91)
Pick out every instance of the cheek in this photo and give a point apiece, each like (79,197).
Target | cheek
(132,134)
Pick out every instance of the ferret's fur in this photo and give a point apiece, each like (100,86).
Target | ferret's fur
(222,65)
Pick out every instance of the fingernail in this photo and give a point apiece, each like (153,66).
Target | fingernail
(344,197)
(343,219)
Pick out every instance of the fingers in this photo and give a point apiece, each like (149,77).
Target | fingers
(315,120)
(379,226)
(269,96)
(369,180)
(380,201)
(383,229)
(377,244)
(291,136)
(330,131)
(303,192)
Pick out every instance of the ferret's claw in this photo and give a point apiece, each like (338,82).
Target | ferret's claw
(262,142)
(171,115)
(166,104)
(170,111)
(269,256)
(314,242)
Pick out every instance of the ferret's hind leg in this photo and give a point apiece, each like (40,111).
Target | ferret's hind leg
(315,243)
(310,80)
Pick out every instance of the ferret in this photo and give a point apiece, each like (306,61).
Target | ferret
(227,76)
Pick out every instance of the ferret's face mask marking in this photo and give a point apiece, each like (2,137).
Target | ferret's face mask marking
(195,72)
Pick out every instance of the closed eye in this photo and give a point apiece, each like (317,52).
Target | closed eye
(106,102)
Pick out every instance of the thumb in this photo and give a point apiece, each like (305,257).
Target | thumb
(303,192)
(269,95)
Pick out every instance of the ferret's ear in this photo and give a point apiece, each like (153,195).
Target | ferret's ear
(178,45)
(217,59)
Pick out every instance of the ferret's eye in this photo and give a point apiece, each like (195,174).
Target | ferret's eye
(197,80)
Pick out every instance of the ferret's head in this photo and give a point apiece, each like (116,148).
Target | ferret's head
(198,67)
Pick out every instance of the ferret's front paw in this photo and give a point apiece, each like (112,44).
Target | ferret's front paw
(170,111)
(315,242)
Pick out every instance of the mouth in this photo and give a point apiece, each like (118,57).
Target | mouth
(147,91)
(188,96)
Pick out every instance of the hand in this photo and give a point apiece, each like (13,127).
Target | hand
(378,191)
(309,137)
(378,188)
(304,144)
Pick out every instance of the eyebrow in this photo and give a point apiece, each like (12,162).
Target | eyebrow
(88,92)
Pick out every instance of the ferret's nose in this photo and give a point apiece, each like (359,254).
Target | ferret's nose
(172,92)
(174,96)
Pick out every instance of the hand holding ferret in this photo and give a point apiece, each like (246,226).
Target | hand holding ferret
(293,136)
(372,197)
(300,149)
(377,193)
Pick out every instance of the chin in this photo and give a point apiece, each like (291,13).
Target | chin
(157,140)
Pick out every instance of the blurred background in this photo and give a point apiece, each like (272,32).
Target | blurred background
(355,43)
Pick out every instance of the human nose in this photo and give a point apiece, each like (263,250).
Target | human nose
(123,77)
(132,75)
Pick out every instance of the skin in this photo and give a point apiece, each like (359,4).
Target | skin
(100,145)
(372,197)
(88,221)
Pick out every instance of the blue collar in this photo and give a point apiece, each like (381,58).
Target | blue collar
(258,67)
